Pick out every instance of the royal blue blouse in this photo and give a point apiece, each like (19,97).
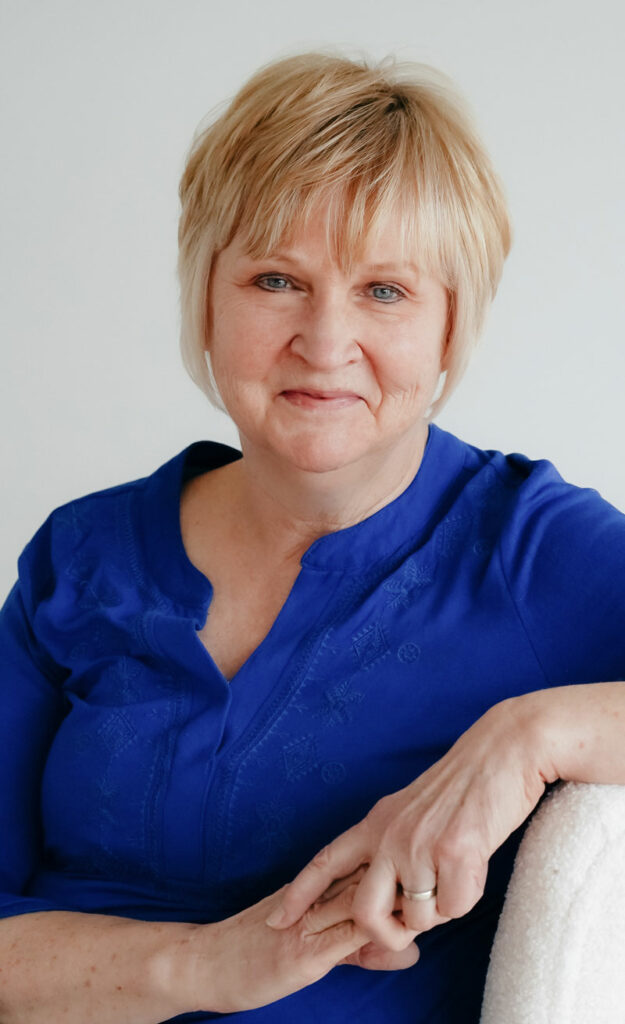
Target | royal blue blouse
(138,781)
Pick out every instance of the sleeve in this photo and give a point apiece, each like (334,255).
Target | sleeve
(564,560)
(31,708)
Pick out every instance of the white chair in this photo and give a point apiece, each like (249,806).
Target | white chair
(559,951)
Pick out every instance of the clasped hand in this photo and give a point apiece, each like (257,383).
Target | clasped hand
(439,831)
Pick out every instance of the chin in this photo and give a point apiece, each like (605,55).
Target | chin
(320,458)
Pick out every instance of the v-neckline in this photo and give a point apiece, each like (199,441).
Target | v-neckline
(265,641)
(193,548)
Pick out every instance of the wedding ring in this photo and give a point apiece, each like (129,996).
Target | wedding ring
(427,894)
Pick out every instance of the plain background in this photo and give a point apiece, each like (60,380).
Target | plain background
(99,105)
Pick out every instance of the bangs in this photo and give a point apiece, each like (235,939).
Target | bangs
(353,217)
(361,175)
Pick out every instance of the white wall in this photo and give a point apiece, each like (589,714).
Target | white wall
(99,103)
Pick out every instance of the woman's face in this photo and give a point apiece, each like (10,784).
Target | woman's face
(323,369)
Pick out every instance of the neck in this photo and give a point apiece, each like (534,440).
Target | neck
(284,509)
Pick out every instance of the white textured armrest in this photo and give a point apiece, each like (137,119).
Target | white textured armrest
(559,952)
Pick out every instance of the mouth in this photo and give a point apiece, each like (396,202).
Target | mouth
(309,398)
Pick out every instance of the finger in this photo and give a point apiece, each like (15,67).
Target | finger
(342,856)
(356,876)
(374,903)
(341,883)
(372,957)
(326,913)
(460,885)
(418,914)
(335,944)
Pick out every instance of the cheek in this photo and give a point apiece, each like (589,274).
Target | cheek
(408,368)
(243,367)
(239,351)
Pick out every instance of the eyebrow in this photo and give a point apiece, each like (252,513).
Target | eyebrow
(392,266)
(388,266)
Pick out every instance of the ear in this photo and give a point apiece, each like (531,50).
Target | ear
(208,318)
(449,331)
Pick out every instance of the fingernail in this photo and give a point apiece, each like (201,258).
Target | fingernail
(276,918)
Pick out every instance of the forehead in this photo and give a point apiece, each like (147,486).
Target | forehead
(321,238)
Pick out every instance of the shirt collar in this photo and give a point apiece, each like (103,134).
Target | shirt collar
(400,524)
(405,520)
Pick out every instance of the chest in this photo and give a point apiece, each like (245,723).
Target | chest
(240,616)
(249,587)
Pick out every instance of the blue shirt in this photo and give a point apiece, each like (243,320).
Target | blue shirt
(138,781)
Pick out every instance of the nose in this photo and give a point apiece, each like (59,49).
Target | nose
(327,335)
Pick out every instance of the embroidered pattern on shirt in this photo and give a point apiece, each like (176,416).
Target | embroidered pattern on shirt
(74,521)
(114,734)
(333,772)
(370,645)
(453,534)
(482,546)
(92,592)
(413,575)
(123,680)
(409,652)
(338,702)
(299,757)
(275,817)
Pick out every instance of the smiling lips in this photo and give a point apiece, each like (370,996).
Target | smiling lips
(312,399)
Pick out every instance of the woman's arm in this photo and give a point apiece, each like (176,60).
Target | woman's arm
(442,828)
(581,730)
(90,969)
(95,969)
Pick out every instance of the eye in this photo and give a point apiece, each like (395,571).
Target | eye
(273,282)
(386,293)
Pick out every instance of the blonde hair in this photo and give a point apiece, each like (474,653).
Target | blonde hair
(368,139)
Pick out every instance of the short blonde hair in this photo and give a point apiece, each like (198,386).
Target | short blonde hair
(369,139)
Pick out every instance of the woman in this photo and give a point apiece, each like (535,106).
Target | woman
(358,649)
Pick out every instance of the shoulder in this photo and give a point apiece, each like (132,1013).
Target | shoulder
(106,539)
(561,550)
(68,525)
(541,524)
(83,528)
(530,496)
(554,520)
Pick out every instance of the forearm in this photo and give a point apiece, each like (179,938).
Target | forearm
(93,969)
(578,731)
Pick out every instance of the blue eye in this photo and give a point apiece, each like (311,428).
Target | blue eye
(268,281)
(390,294)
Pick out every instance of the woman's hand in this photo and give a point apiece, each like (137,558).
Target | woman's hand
(240,963)
(437,832)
